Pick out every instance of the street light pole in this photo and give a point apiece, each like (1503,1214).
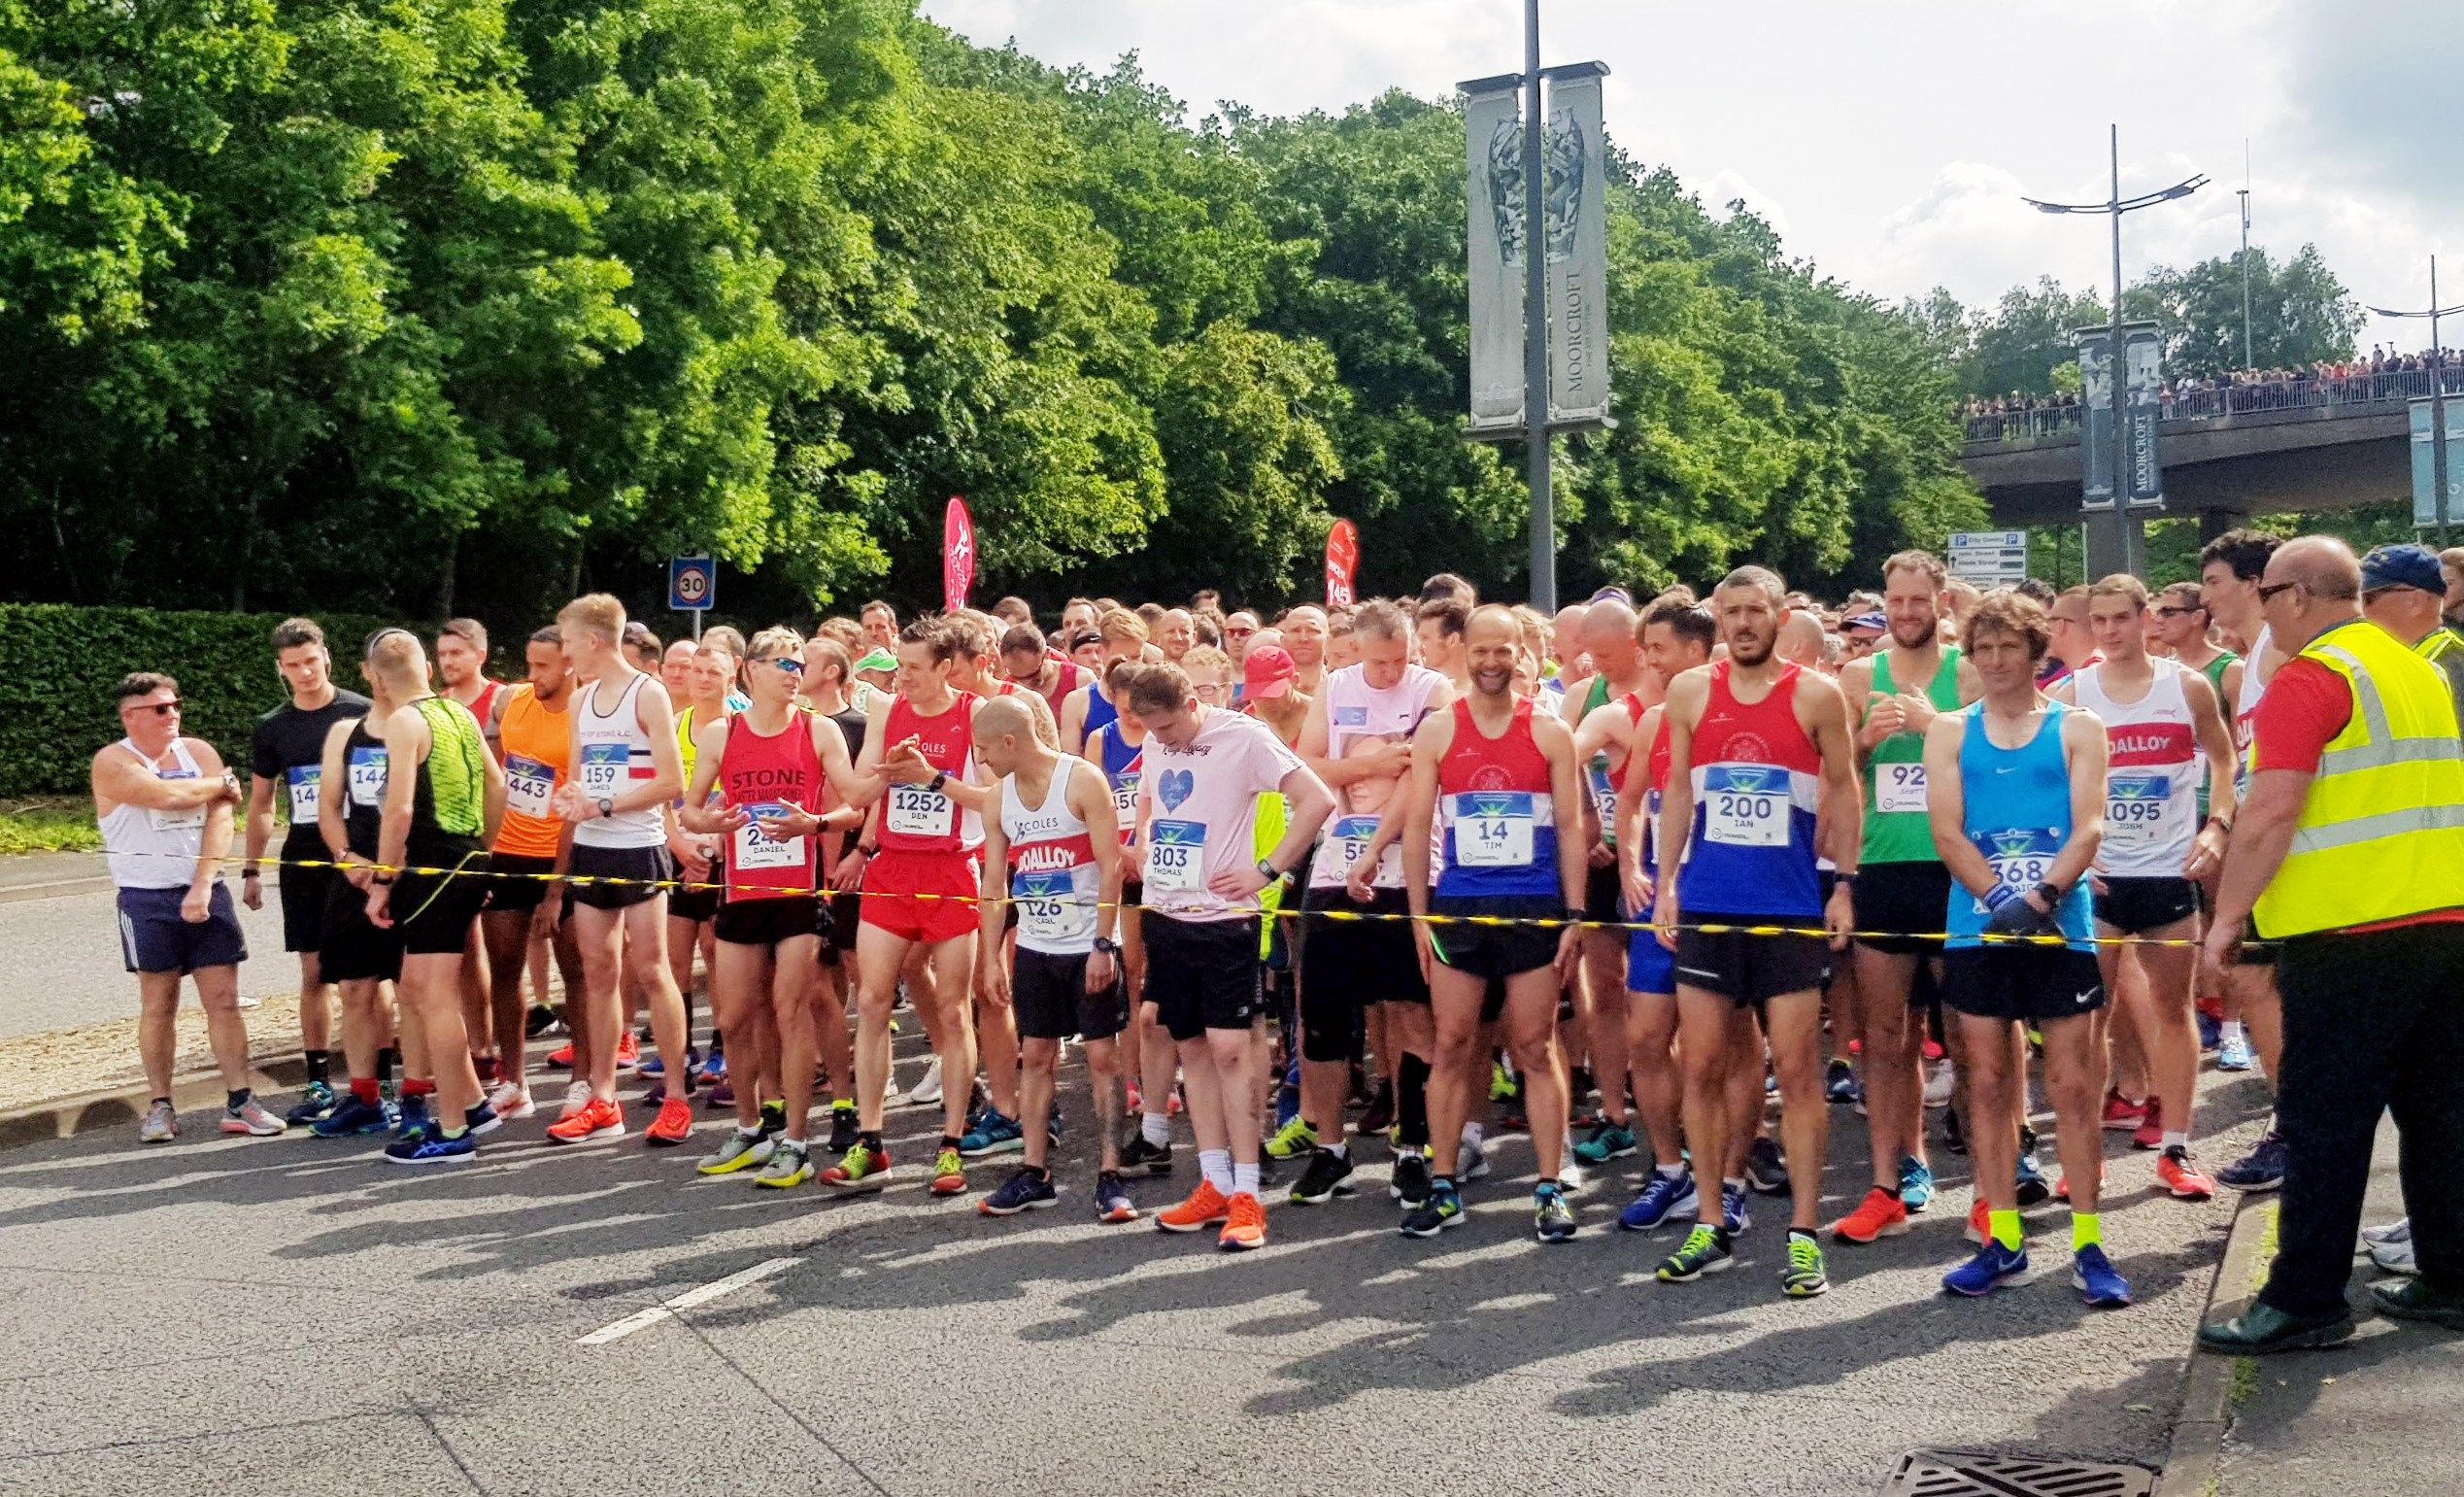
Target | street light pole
(2249,360)
(1535,318)
(2438,399)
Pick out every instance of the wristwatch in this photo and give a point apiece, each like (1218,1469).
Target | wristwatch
(2053,895)
(1107,945)
(1269,871)
(939,779)
(607,807)
(385,879)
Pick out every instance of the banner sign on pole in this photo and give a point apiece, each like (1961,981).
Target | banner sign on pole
(957,554)
(2095,419)
(2425,506)
(1494,149)
(1576,220)
(2142,406)
(1342,557)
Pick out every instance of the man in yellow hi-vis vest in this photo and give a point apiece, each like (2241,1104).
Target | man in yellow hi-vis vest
(2349,848)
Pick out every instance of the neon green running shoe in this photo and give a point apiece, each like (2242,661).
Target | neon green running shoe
(1803,1277)
(737,1152)
(1702,1253)
(1295,1139)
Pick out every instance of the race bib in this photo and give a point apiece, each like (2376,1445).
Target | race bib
(1125,796)
(1899,787)
(2020,858)
(1051,909)
(303,779)
(1745,808)
(1604,796)
(2137,808)
(1491,831)
(602,769)
(1175,851)
(367,778)
(528,785)
(920,810)
(756,848)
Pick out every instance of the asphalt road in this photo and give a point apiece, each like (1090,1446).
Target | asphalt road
(60,965)
(287,1315)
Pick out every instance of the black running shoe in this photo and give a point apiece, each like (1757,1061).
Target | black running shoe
(844,1130)
(1139,1157)
(1765,1170)
(1328,1174)
(1410,1184)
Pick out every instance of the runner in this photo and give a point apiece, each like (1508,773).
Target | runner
(1240,629)
(524,905)
(2074,646)
(1356,740)
(2015,794)
(1123,639)
(1177,635)
(357,955)
(1119,749)
(765,782)
(1025,662)
(1203,770)
(1604,714)
(1053,854)
(165,805)
(289,751)
(1439,623)
(1901,885)
(626,771)
(1304,638)
(1757,748)
(827,667)
(461,664)
(1270,691)
(710,697)
(879,623)
(444,796)
(2160,719)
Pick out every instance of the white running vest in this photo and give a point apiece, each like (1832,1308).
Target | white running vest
(151,849)
(2152,779)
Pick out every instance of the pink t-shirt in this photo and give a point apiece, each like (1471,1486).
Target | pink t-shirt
(1204,814)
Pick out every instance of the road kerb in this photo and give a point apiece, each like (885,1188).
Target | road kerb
(2194,1462)
(123,1107)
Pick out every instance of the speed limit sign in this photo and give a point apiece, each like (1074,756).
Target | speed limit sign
(692,583)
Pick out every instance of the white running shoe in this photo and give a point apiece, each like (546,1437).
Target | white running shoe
(1938,1089)
(929,1090)
(2395,1257)
(577,1095)
(2399,1230)
(511,1100)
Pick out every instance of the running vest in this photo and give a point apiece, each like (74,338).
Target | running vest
(538,747)
(1361,717)
(756,773)
(917,818)
(1099,712)
(2381,832)
(1757,784)
(1895,827)
(1053,875)
(2213,670)
(616,757)
(2253,686)
(2017,805)
(146,848)
(1120,763)
(1500,815)
(1601,779)
(486,700)
(2151,786)
(450,801)
(364,775)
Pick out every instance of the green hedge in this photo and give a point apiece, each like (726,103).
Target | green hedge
(58,664)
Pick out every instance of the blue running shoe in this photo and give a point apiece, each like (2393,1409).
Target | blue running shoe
(992,1133)
(350,1118)
(431,1148)
(1733,1216)
(2092,1275)
(1552,1219)
(714,1068)
(414,1122)
(2234,1054)
(1027,1190)
(2033,1188)
(1993,1266)
(481,1118)
(317,1102)
(651,1065)
(1662,1198)
(1916,1183)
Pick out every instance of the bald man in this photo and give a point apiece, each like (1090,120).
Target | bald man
(1604,715)
(1801,639)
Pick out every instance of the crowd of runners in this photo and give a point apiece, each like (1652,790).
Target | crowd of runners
(1672,878)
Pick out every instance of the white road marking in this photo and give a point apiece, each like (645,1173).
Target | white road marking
(687,1301)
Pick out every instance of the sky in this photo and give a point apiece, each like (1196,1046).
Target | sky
(1889,142)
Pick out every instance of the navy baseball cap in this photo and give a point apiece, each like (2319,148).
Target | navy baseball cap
(2402,567)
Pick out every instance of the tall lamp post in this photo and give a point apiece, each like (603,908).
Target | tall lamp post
(1535,319)
(2126,527)
(2438,397)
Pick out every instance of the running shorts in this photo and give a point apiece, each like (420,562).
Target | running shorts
(767,922)
(1497,951)
(1049,995)
(2135,905)
(1650,968)
(521,893)
(304,894)
(1603,894)
(1751,970)
(1902,900)
(154,938)
(433,912)
(640,869)
(1351,964)
(355,950)
(921,897)
(1201,974)
(2027,983)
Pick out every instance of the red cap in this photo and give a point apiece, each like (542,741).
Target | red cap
(1267,673)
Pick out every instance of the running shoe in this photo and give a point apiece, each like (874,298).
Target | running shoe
(2093,1276)
(629,1052)
(2181,1175)
(790,1165)
(1839,1082)
(1979,1223)
(577,1095)
(1139,1157)
(673,1125)
(1244,1224)
(2234,1054)
(1733,1217)
(1379,1114)
(480,1118)
(1501,1086)
(2150,1133)
(160,1126)
(412,1118)
(317,1102)
(352,1118)
(844,1128)
(773,1119)
(1330,1175)
(1766,1170)
(1879,1214)
(1552,1219)
(511,1101)
(1664,1198)
(1916,1183)
(858,1169)
(2033,1188)
(597,1119)
(657,1067)
(1470,1162)
(1803,1277)
(1442,1209)
(1028,1190)
(1294,1140)
(2121,1115)
(1941,1085)
(251,1119)
(1112,1199)
(1607,1142)
(949,1173)
(1205,1208)
(2399,1230)
(2262,1168)
(1410,1184)
(1954,1133)
(721,1096)
(1703,1252)
(738,1150)
(561,1057)
(714,1069)
(992,1133)
(928,1090)
(1993,1266)
(538,1021)
(432,1148)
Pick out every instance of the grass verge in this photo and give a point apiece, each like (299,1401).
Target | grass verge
(49,824)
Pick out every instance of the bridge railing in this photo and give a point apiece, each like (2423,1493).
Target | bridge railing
(2353,390)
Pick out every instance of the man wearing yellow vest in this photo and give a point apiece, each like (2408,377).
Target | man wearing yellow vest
(2350,849)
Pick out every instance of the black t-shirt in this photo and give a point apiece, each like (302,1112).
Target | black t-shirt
(288,749)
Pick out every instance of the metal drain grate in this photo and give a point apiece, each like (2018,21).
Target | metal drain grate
(1963,1474)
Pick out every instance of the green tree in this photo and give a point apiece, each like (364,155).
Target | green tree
(2300,313)
(2031,331)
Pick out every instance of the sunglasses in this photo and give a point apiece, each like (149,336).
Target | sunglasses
(2268,589)
(158,708)
(2170,611)
(787,663)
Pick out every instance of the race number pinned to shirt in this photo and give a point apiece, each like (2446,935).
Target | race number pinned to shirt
(302,781)
(2020,857)
(603,767)
(1491,831)
(1124,796)
(920,810)
(1745,805)
(1604,796)
(1175,852)
(367,777)
(188,820)
(528,785)
(2139,807)
(1899,787)
(1351,837)
(757,849)
(1053,910)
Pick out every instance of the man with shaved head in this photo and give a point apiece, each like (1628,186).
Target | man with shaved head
(1801,639)
(1304,638)
(1605,715)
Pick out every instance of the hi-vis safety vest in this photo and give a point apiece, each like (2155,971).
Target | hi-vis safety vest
(2381,832)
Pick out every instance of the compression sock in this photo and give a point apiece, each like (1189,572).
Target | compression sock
(2005,1226)
(2087,1230)
(1411,1101)
(317,1063)
(363,1089)
(235,1100)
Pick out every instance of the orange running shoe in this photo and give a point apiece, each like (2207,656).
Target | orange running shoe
(561,1057)
(2062,1188)
(2150,1133)
(1979,1223)
(1879,1214)
(674,1126)
(1245,1224)
(1206,1207)
(629,1052)
(597,1119)
(2178,1173)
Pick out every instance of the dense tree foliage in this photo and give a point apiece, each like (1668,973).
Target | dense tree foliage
(412,306)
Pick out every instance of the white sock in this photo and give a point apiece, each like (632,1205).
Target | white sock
(1244,1180)
(1216,1167)
(2231,1030)
(2174,1139)
(1340,1148)
(1671,1171)
(1472,1136)
(1155,1128)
